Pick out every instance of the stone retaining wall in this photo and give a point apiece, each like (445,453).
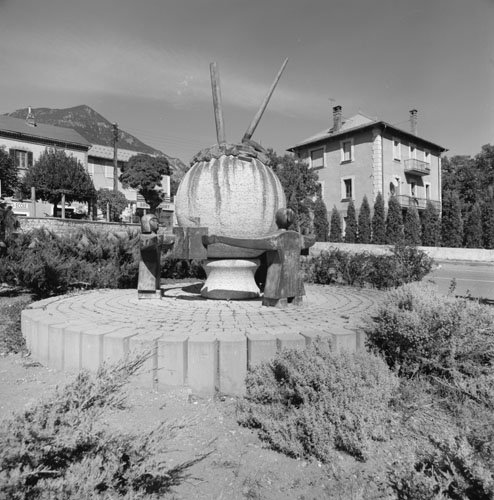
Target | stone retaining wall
(60,226)
(437,253)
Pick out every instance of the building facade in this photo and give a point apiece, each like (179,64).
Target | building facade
(361,156)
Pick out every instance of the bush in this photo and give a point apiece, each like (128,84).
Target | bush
(310,402)
(59,449)
(404,265)
(48,264)
(452,470)
(418,331)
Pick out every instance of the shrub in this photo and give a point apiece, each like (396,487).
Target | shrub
(404,265)
(412,229)
(351,224)
(364,222)
(418,331)
(312,401)
(451,221)
(431,227)
(59,449)
(335,226)
(452,470)
(48,264)
(379,221)
(394,222)
(321,223)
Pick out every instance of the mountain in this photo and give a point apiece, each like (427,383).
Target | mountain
(94,128)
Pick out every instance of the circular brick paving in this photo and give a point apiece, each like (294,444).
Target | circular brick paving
(206,345)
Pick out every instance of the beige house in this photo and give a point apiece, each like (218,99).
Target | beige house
(25,141)
(360,156)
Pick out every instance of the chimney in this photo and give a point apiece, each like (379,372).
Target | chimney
(30,120)
(413,121)
(337,118)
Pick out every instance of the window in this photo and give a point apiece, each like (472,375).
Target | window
(109,172)
(427,156)
(347,188)
(90,169)
(346,150)
(22,159)
(396,150)
(394,186)
(427,191)
(317,158)
(413,189)
(413,151)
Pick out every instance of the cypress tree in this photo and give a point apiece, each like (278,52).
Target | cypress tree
(364,222)
(473,228)
(431,229)
(335,226)
(321,223)
(394,222)
(351,224)
(412,227)
(379,222)
(488,222)
(451,221)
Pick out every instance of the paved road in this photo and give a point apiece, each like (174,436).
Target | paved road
(474,278)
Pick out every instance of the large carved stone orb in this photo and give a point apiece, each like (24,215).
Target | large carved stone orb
(231,191)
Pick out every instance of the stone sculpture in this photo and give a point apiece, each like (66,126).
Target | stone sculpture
(284,283)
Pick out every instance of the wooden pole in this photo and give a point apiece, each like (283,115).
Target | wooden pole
(257,118)
(217,105)
(115,157)
(33,201)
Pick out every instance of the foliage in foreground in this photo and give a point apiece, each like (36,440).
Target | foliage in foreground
(446,344)
(59,449)
(11,339)
(306,403)
(404,265)
(47,264)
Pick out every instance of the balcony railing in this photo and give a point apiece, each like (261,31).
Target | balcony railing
(406,201)
(417,167)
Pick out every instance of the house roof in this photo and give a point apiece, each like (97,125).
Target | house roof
(42,131)
(357,123)
(106,152)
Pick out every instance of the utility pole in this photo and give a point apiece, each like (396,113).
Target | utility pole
(115,157)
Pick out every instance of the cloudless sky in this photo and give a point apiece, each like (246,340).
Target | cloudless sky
(145,65)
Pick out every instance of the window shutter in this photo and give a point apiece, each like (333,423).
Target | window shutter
(29,159)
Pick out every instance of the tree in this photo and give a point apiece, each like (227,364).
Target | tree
(56,174)
(379,222)
(431,228)
(488,222)
(321,223)
(115,200)
(412,227)
(364,222)
(335,226)
(145,173)
(451,221)
(299,185)
(394,222)
(9,173)
(351,224)
(473,228)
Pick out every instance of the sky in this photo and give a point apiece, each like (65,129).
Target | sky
(146,65)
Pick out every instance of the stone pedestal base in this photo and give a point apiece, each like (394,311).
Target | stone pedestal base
(231,279)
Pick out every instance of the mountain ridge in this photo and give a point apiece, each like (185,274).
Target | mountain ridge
(95,128)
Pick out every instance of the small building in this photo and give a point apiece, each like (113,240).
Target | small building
(25,141)
(360,156)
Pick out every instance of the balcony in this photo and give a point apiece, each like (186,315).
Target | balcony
(417,167)
(406,201)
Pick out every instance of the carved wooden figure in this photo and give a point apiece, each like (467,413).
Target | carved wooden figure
(284,283)
(152,245)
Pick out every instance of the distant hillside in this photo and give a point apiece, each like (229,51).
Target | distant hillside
(94,128)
